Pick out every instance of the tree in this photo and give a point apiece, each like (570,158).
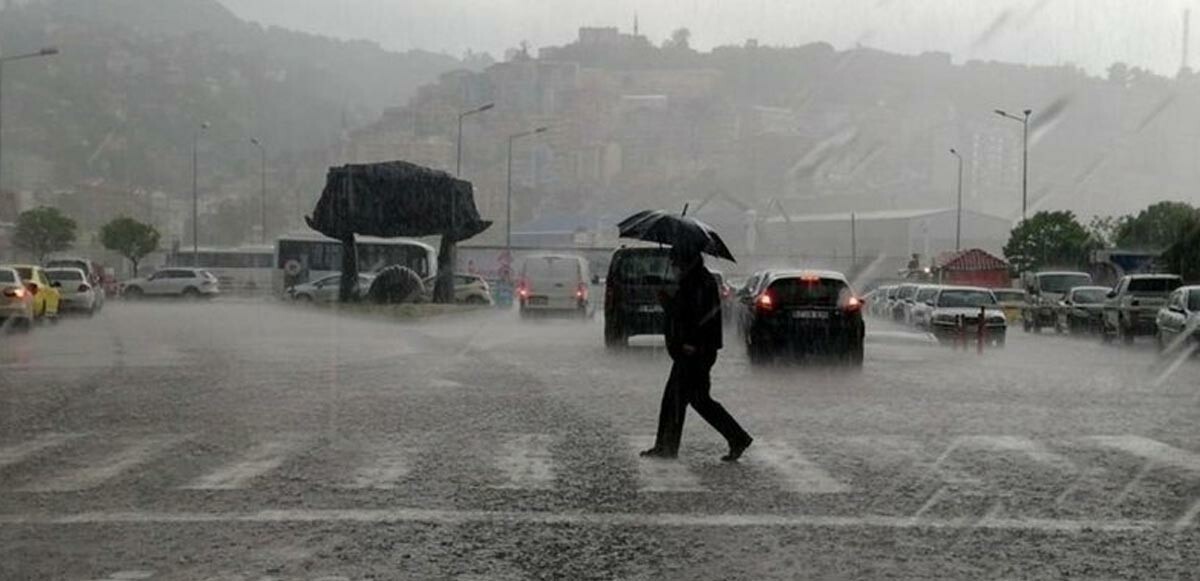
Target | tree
(1049,239)
(129,238)
(1158,227)
(681,39)
(1183,257)
(43,230)
(1103,229)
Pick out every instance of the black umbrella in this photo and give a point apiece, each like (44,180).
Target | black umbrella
(675,230)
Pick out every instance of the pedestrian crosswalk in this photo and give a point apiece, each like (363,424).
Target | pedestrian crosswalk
(539,462)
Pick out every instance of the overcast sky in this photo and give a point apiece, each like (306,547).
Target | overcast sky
(1090,33)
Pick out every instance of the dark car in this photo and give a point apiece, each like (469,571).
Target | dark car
(631,306)
(804,313)
(1082,309)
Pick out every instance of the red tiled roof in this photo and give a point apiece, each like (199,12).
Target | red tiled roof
(970,260)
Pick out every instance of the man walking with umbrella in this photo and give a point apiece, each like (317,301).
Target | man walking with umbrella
(693,334)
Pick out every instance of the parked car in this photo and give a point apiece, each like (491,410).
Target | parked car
(1180,317)
(180,282)
(921,309)
(727,295)
(46,298)
(1046,290)
(325,289)
(910,303)
(468,288)
(76,292)
(631,307)
(904,294)
(802,313)
(92,272)
(877,306)
(1012,301)
(554,283)
(1131,307)
(956,314)
(16,302)
(1082,309)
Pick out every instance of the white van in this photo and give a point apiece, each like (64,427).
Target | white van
(555,282)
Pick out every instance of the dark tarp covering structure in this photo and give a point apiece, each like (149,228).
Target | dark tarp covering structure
(397,199)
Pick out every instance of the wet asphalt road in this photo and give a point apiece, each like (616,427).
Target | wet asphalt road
(240,440)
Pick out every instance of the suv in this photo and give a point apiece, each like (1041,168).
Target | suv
(1046,290)
(183,282)
(631,307)
(801,313)
(1132,305)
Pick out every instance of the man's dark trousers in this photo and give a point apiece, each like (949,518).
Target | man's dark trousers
(690,383)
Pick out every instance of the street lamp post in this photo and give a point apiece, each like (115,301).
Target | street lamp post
(48,51)
(508,204)
(958,218)
(461,116)
(196,195)
(1024,121)
(262,201)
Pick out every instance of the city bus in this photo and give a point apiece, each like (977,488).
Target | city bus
(239,269)
(301,258)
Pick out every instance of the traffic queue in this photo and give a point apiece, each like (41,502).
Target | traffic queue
(33,294)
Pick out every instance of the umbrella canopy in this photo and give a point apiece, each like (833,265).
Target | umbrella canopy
(681,232)
(392,199)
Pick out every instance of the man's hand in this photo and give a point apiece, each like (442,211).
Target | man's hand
(688,350)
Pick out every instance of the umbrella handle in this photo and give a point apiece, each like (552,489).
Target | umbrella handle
(685,209)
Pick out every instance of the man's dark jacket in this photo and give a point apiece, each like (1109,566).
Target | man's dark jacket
(694,314)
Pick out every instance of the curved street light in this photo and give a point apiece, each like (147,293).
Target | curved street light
(1024,121)
(47,51)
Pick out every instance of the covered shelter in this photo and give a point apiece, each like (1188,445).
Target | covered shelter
(972,267)
(396,199)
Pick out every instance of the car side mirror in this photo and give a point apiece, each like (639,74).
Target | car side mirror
(929,303)
(56,284)
(1111,294)
(595,279)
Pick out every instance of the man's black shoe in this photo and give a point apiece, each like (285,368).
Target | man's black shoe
(658,453)
(736,450)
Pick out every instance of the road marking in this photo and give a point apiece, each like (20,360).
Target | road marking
(658,475)
(1151,450)
(1029,448)
(650,520)
(128,576)
(526,462)
(18,453)
(257,461)
(387,464)
(798,472)
(108,467)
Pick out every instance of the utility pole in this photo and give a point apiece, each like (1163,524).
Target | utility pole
(262,202)
(1024,121)
(958,217)
(196,195)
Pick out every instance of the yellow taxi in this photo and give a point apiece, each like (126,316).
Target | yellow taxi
(46,298)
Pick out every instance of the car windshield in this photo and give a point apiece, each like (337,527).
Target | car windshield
(1061,283)
(1153,286)
(1193,300)
(64,275)
(1089,296)
(521,385)
(805,292)
(644,268)
(965,298)
(8,276)
(25,272)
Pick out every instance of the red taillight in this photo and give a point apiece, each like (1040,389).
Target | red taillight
(581,292)
(18,293)
(853,304)
(765,302)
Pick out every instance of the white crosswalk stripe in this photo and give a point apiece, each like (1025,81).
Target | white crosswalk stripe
(385,465)
(526,462)
(798,472)
(1026,447)
(17,453)
(107,467)
(260,459)
(662,475)
(1151,450)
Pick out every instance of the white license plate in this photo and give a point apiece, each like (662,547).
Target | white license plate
(650,309)
(538,300)
(810,315)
